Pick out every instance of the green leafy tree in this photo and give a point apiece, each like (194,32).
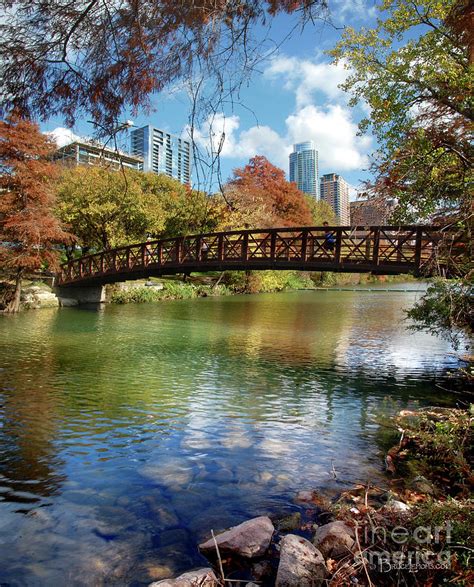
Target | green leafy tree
(321,212)
(415,72)
(186,211)
(105,208)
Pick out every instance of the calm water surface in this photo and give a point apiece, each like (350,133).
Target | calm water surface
(126,433)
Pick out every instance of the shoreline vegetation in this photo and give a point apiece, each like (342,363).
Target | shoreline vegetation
(37,293)
(413,531)
(238,282)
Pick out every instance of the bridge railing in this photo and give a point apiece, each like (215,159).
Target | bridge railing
(410,248)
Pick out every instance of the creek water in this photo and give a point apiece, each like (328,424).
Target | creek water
(128,432)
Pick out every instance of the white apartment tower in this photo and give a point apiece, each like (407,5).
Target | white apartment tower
(162,152)
(335,191)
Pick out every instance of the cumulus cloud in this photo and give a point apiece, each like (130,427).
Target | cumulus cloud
(221,132)
(359,9)
(334,134)
(307,78)
(63,136)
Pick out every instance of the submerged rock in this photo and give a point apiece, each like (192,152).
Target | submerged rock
(249,539)
(301,564)
(261,569)
(198,578)
(291,522)
(334,540)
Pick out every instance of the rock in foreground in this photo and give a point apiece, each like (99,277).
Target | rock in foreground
(334,540)
(250,539)
(301,564)
(198,578)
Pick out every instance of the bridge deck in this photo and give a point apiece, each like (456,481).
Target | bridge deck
(378,249)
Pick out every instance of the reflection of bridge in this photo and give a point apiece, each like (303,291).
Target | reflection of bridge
(379,249)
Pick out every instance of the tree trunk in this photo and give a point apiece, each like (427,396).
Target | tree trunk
(14,304)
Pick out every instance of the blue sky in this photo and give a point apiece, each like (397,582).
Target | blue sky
(293,98)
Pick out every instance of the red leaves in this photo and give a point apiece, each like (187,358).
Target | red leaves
(261,183)
(28,228)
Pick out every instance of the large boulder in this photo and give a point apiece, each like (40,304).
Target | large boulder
(198,578)
(301,564)
(249,539)
(334,540)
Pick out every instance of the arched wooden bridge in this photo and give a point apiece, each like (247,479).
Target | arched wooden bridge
(378,249)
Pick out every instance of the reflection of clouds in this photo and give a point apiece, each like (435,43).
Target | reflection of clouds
(376,337)
(162,421)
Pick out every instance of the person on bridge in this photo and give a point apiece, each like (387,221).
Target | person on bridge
(329,238)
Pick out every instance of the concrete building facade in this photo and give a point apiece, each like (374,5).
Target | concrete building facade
(162,152)
(82,152)
(335,191)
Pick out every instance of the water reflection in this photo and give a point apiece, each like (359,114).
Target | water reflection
(128,432)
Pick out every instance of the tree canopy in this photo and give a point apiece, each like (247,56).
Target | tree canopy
(29,229)
(106,209)
(103,57)
(261,197)
(415,72)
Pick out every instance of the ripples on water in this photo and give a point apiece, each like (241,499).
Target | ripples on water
(126,433)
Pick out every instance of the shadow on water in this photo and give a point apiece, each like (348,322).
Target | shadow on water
(127,433)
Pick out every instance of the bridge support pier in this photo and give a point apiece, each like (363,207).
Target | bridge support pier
(76,296)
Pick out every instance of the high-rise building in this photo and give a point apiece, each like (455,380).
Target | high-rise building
(335,191)
(304,168)
(162,152)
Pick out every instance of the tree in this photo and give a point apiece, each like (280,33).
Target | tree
(29,231)
(103,57)
(414,70)
(261,197)
(186,211)
(106,208)
(321,212)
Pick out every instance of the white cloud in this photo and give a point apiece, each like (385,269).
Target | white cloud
(307,78)
(62,136)
(321,114)
(334,134)
(355,9)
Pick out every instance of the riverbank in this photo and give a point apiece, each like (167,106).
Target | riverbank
(38,293)
(416,529)
(238,282)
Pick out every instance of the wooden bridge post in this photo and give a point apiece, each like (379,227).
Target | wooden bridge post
(304,244)
(179,250)
(245,246)
(418,245)
(375,249)
(220,248)
(337,255)
(273,242)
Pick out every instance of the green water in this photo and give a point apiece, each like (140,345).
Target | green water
(127,433)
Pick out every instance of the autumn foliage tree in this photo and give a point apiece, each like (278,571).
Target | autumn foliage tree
(29,231)
(103,57)
(261,197)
